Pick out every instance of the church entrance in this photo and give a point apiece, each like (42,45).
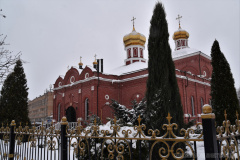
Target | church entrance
(71,114)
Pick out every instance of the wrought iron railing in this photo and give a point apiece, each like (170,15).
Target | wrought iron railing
(228,137)
(114,142)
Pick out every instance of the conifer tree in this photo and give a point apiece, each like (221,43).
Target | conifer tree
(162,89)
(14,96)
(223,92)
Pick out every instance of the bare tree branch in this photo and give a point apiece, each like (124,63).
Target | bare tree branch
(7,59)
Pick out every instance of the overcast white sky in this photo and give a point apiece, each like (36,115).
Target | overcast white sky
(53,34)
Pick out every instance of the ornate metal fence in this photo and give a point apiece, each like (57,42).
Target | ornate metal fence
(118,143)
(29,143)
(228,137)
(115,142)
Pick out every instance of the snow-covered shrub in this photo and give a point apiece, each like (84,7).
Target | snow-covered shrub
(129,115)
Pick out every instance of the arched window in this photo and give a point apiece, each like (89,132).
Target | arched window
(86,108)
(129,52)
(183,42)
(178,43)
(141,52)
(192,104)
(135,52)
(59,112)
(201,101)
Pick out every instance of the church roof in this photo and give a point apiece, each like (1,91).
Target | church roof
(127,69)
(187,52)
(138,66)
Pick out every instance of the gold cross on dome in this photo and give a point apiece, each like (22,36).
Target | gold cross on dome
(178,18)
(133,22)
(80,58)
(95,57)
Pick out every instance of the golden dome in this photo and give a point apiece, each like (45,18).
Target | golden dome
(180,34)
(80,64)
(134,38)
(95,62)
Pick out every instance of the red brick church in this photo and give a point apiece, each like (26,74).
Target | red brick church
(89,90)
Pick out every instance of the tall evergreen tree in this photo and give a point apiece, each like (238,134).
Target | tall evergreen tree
(223,92)
(14,96)
(162,89)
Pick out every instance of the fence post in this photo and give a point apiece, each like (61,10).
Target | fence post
(209,133)
(64,144)
(12,141)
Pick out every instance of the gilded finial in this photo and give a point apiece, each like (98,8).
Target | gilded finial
(95,121)
(169,118)
(139,120)
(178,18)
(237,115)
(133,23)
(13,123)
(225,115)
(64,121)
(79,121)
(115,120)
(207,109)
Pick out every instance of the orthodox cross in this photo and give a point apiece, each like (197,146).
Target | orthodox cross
(178,18)
(133,21)
(95,57)
(80,59)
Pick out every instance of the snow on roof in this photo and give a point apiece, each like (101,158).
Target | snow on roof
(179,29)
(135,67)
(77,68)
(134,33)
(187,52)
(126,69)
(61,76)
(183,52)
(93,69)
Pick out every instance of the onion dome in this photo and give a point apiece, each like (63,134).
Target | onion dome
(180,34)
(95,61)
(134,38)
(80,64)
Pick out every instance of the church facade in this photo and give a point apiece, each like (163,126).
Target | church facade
(89,90)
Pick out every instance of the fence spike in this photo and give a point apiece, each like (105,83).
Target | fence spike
(225,115)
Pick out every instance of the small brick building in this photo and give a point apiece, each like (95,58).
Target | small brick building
(85,91)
